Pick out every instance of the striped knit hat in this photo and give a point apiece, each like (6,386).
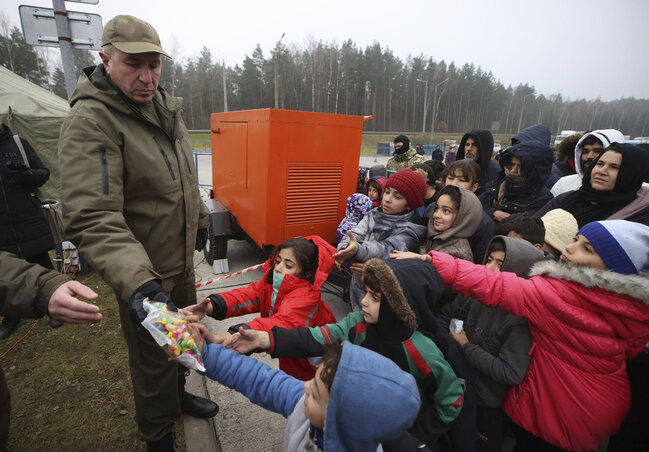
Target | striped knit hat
(622,245)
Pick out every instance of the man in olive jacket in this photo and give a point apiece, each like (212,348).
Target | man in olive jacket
(131,205)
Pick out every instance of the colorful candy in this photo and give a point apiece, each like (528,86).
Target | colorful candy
(170,331)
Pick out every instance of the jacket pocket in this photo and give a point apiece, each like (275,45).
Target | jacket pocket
(166,159)
(104,170)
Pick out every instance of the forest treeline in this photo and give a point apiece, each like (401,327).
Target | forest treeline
(347,79)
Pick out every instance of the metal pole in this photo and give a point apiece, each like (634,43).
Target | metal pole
(65,44)
(276,89)
(423,125)
(432,126)
(225,90)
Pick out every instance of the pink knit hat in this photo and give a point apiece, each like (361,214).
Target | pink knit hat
(411,185)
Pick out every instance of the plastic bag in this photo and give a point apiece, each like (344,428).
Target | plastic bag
(169,330)
(456,326)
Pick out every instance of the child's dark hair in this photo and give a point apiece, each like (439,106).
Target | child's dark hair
(374,184)
(330,360)
(306,254)
(433,169)
(466,168)
(496,245)
(369,280)
(454,193)
(527,225)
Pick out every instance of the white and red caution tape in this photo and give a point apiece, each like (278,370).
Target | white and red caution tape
(240,272)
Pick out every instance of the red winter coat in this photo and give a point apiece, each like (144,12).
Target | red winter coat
(584,323)
(298,304)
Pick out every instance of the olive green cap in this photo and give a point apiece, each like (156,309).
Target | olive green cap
(131,35)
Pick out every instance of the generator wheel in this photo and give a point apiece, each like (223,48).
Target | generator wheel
(216,247)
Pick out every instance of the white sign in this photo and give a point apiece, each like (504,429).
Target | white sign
(39,27)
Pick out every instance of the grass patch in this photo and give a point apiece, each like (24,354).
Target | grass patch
(70,387)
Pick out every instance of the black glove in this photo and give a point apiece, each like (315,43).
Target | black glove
(201,239)
(154,292)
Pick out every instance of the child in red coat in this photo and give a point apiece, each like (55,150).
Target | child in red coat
(287,296)
(586,314)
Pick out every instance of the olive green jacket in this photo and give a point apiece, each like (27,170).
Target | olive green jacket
(129,188)
(405,160)
(25,289)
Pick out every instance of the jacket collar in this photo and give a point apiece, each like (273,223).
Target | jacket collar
(634,286)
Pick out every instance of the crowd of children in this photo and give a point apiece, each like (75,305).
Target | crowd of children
(484,325)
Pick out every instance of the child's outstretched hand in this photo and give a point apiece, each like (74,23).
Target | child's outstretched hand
(198,332)
(246,341)
(349,252)
(460,337)
(196,312)
(409,255)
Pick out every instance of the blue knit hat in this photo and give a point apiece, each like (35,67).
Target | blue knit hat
(622,245)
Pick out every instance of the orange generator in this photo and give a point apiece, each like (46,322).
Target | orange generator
(283,173)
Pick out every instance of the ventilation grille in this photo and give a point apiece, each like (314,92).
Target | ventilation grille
(313,192)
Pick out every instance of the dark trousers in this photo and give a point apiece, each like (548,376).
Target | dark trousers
(527,442)
(491,425)
(634,433)
(156,382)
(5,411)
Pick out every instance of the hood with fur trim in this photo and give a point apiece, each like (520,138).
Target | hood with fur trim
(635,286)
(397,307)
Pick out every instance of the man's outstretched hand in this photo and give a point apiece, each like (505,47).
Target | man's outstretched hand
(64,305)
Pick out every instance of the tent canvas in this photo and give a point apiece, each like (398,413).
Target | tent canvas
(35,114)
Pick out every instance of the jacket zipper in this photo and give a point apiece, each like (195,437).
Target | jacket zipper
(172,134)
(164,155)
(104,170)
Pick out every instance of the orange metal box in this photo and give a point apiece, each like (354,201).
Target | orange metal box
(285,173)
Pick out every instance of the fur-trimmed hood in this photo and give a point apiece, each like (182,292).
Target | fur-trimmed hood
(635,286)
(391,292)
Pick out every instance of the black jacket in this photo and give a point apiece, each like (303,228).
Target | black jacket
(24,230)
(542,134)
(536,160)
(490,169)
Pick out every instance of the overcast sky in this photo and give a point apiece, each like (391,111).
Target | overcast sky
(579,48)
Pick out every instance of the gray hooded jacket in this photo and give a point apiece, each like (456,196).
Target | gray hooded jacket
(499,342)
(454,241)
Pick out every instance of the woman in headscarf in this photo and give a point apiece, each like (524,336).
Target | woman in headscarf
(611,188)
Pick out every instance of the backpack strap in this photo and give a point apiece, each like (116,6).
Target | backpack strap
(21,149)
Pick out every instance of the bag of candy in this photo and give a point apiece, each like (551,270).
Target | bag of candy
(169,330)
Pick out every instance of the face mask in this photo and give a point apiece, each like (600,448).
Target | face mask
(277,280)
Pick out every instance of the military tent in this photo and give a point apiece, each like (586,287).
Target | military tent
(36,114)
